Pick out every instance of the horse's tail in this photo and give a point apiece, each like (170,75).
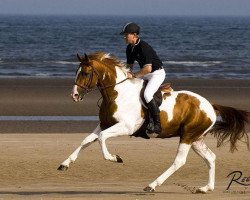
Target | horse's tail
(231,126)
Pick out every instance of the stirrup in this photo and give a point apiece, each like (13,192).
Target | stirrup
(157,128)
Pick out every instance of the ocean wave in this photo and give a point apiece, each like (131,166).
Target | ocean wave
(30,61)
(193,63)
(62,62)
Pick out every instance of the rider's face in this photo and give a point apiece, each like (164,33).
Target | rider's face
(130,38)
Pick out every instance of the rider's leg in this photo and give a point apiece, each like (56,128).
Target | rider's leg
(155,113)
(155,80)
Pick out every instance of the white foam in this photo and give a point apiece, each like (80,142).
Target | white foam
(194,63)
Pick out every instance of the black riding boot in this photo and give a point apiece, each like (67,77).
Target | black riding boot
(155,114)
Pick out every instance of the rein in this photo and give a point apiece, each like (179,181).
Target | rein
(101,87)
(98,87)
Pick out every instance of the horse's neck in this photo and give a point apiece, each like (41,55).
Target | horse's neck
(128,89)
(106,78)
(120,88)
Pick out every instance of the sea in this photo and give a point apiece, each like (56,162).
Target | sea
(195,47)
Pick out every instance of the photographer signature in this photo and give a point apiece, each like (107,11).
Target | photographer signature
(238,178)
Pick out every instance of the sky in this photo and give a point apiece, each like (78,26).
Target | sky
(126,7)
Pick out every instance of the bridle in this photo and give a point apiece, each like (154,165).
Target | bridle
(101,85)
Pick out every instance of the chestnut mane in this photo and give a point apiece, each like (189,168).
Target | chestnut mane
(106,59)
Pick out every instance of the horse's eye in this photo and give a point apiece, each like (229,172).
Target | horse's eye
(85,73)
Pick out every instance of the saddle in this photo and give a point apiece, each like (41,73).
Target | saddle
(164,90)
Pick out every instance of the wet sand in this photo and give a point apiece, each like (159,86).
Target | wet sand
(30,152)
(51,97)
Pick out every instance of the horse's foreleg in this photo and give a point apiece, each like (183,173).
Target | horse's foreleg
(85,143)
(118,129)
(209,157)
(179,161)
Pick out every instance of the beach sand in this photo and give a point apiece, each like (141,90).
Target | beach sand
(30,152)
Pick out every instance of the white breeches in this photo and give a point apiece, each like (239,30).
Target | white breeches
(155,80)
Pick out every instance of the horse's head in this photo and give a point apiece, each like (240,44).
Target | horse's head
(86,78)
(98,70)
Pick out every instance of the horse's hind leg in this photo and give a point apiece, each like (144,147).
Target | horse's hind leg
(85,143)
(209,157)
(179,161)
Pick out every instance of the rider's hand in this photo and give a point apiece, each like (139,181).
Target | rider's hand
(130,75)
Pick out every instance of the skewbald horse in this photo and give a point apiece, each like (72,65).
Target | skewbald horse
(183,114)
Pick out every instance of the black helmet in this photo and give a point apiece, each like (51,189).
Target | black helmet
(130,28)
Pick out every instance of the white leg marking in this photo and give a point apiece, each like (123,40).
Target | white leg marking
(179,161)
(85,143)
(118,129)
(209,157)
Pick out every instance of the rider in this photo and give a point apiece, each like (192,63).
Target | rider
(151,68)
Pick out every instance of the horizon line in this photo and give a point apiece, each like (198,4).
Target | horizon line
(125,15)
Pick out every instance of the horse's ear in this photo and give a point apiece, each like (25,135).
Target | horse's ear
(79,58)
(86,58)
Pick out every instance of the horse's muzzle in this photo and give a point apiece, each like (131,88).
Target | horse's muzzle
(78,94)
(75,96)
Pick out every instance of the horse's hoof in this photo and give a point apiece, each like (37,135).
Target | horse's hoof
(149,189)
(200,191)
(118,159)
(62,168)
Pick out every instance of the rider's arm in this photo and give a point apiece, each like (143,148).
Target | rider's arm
(145,70)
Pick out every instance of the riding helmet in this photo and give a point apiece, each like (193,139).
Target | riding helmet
(130,28)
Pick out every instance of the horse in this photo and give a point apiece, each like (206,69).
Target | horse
(183,114)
